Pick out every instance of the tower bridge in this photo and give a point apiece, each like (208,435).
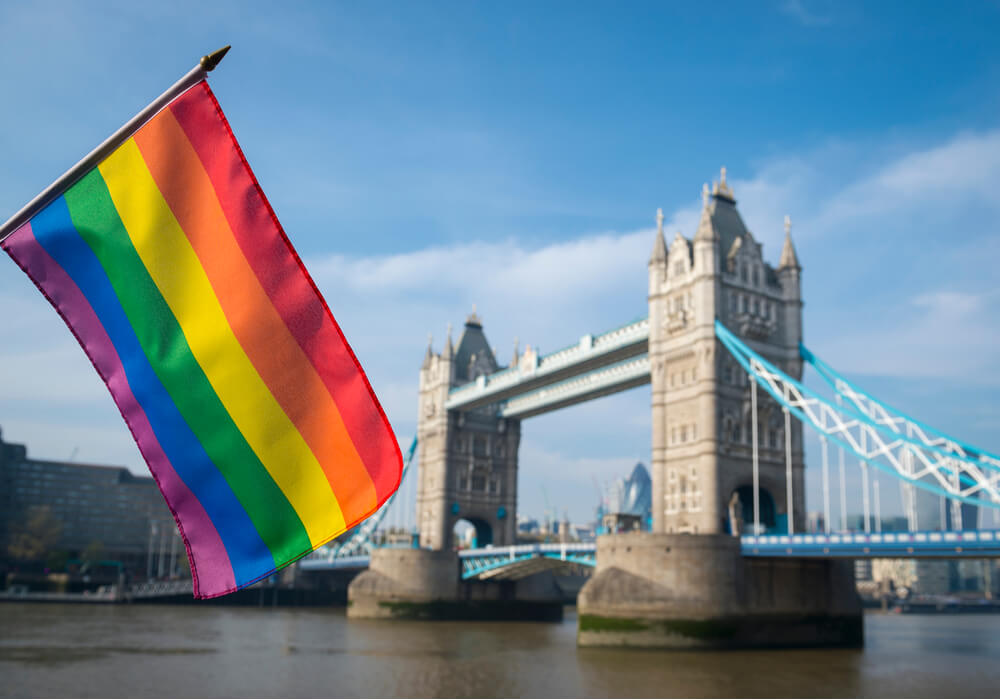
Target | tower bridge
(722,348)
(470,408)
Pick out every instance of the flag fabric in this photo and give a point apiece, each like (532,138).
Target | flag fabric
(255,418)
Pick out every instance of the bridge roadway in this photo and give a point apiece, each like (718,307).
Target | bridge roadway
(518,561)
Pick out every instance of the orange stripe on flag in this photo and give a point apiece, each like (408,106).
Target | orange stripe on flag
(260,330)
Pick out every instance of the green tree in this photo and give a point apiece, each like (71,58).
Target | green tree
(37,534)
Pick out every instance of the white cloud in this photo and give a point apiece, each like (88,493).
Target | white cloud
(942,177)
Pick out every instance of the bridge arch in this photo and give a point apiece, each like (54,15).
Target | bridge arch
(768,512)
(481,532)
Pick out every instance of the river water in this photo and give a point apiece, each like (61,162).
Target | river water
(208,651)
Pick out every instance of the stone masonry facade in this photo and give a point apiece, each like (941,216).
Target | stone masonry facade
(701,407)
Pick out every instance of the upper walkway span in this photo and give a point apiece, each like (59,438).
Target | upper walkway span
(525,380)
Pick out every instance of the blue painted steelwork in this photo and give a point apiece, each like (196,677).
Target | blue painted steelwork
(904,545)
(476,562)
(838,382)
(901,545)
(747,357)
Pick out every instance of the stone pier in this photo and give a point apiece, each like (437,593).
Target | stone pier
(697,591)
(422,584)
(404,583)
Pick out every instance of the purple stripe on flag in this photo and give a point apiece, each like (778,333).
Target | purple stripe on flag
(212,569)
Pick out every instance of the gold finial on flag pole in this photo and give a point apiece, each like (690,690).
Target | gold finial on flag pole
(210,61)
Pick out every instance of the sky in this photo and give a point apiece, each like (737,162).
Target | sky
(425,157)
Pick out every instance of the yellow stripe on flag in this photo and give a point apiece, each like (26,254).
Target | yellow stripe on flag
(177,272)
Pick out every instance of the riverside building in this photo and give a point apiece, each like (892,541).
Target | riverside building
(124,513)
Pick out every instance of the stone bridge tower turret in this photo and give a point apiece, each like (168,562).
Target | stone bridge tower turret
(467,460)
(701,437)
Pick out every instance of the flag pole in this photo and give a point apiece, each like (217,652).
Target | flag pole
(193,76)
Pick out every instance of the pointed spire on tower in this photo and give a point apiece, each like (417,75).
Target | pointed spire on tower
(722,188)
(517,353)
(788,256)
(448,351)
(659,254)
(429,355)
(473,318)
(705,230)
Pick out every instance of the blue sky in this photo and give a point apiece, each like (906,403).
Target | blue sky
(425,157)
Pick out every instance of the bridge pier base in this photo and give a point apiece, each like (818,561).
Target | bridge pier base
(423,584)
(697,591)
(404,583)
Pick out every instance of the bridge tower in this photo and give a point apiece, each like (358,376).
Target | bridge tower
(686,583)
(701,405)
(468,459)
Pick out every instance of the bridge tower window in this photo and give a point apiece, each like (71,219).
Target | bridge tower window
(479,446)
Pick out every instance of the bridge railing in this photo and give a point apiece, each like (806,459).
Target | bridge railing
(517,550)
(930,544)
(154,589)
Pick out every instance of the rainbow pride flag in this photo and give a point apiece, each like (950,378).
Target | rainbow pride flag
(252,412)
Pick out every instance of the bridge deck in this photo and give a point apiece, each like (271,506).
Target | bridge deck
(485,562)
(903,545)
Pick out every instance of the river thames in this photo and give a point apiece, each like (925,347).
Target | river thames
(185,651)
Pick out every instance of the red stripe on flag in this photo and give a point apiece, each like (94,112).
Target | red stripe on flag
(288,284)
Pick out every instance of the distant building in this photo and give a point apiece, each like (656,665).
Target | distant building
(123,512)
(527,526)
(934,576)
(632,496)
